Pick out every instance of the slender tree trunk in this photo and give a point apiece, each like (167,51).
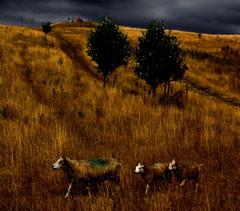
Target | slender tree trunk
(168,90)
(115,79)
(186,91)
(52,42)
(150,92)
(165,92)
(105,81)
(45,39)
(153,92)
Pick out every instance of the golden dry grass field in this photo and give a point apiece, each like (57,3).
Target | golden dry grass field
(52,103)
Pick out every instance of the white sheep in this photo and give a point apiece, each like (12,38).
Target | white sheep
(184,172)
(88,171)
(152,173)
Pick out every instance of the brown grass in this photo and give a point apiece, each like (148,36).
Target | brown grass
(49,108)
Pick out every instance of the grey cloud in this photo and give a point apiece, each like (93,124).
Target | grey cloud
(207,18)
(191,15)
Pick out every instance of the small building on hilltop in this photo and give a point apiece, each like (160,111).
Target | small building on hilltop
(79,19)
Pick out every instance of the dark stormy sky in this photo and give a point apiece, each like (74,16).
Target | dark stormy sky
(212,16)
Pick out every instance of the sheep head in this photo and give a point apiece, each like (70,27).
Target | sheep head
(139,169)
(172,165)
(59,164)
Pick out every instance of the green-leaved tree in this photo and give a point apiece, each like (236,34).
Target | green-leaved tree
(108,47)
(159,57)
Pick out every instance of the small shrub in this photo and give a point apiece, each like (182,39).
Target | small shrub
(46,28)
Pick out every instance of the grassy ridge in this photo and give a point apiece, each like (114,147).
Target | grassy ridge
(51,106)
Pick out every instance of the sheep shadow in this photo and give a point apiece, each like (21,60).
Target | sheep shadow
(95,188)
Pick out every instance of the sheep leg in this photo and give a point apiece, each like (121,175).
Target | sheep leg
(89,193)
(183,182)
(69,189)
(116,179)
(196,188)
(147,188)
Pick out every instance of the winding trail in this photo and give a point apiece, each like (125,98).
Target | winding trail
(80,63)
(75,54)
(207,91)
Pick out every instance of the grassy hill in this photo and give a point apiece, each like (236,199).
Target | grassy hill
(52,103)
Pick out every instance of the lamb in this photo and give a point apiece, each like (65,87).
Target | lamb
(186,172)
(152,173)
(88,172)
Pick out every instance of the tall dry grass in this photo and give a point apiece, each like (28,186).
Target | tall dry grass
(49,108)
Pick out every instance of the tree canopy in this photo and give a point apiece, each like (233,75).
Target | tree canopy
(159,56)
(108,47)
(46,27)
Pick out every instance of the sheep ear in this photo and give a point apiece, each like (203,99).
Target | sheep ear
(64,159)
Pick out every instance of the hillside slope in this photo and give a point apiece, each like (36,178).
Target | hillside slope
(213,60)
(52,103)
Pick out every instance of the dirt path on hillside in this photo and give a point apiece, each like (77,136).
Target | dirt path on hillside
(207,91)
(75,54)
